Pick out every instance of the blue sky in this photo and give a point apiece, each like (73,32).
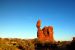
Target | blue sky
(18,18)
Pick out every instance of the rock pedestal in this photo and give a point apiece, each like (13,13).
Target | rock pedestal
(45,34)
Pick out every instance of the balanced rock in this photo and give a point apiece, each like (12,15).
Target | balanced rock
(45,34)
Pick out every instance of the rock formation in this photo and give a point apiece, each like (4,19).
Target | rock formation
(45,34)
(73,39)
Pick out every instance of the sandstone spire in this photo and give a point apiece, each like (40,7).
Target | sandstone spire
(45,34)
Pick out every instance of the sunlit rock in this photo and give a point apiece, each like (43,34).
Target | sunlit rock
(45,34)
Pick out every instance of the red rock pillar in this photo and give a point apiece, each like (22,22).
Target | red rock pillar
(51,33)
(39,32)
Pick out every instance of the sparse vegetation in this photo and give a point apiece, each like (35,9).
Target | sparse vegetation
(16,44)
(33,44)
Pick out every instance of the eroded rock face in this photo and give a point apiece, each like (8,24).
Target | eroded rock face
(38,24)
(45,34)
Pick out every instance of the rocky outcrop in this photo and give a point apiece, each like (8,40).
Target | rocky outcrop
(45,34)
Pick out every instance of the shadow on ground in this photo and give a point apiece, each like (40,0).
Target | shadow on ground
(48,46)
